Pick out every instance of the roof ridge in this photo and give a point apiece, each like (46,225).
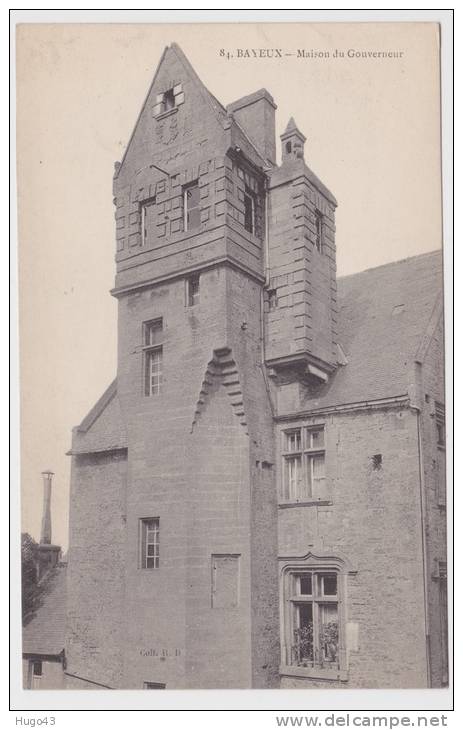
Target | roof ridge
(99,407)
(392,263)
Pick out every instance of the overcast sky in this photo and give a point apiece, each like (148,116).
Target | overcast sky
(372,128)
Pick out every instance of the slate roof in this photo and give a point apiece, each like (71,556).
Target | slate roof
(102,428)
(383,316)
(45,632)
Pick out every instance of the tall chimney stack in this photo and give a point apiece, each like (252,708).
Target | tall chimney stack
(255,113)
(45,535)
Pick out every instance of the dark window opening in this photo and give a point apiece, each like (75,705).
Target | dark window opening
(169,100)
(305,584)
(377,461)
(330,586)
(249,210)
(193,291)
(319,231)
(440,425)
(272,298)
(153,685)
(440,434)
(288,147)
(443,609)
(37,668)
(148,220)
(191,208)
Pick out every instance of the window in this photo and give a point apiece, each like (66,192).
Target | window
(35,673)
(148,220)
(377,461)
(443,621)
(440,424)
(153,685)
(312,633)
(149,543)
(153,356)
(441,465)
(288,147)
(272,299)
(192,294)
(249,210)
(319,231)
(191,209)
(169,100)
(303,463)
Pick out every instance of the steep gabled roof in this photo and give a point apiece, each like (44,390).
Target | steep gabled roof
(384,314)
(45,632)
(216,107)
(103,427)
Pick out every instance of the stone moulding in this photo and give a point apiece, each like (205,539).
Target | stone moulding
(221,370)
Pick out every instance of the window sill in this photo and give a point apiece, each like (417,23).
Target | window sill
(336,675)
(168,113)
(306,503)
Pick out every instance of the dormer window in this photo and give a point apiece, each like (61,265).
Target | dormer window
(169,100)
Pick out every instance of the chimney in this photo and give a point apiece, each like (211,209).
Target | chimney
(256,116)
(45,535)
(48,554)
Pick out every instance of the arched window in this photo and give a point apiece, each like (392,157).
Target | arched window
(288,147)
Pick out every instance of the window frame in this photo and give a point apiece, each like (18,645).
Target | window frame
(252,196)
(319,230)
(307,456)
(144,204)
(150,349)
(440,425)
(291,600)
(441,465)
(192,297)
(168,101)
(443,616)
(144,529)
(185,188)
(35,679)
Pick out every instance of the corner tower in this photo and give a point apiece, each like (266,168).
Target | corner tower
(301,319)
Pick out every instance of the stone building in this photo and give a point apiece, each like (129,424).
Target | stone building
(258,499)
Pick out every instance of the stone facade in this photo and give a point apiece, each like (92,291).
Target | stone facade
(232,349)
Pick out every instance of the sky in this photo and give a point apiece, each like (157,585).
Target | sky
(372,126)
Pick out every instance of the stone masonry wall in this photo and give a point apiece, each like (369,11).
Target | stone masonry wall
(304,317)
(96,564)
(432,390)
(169,437)
(374,522)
